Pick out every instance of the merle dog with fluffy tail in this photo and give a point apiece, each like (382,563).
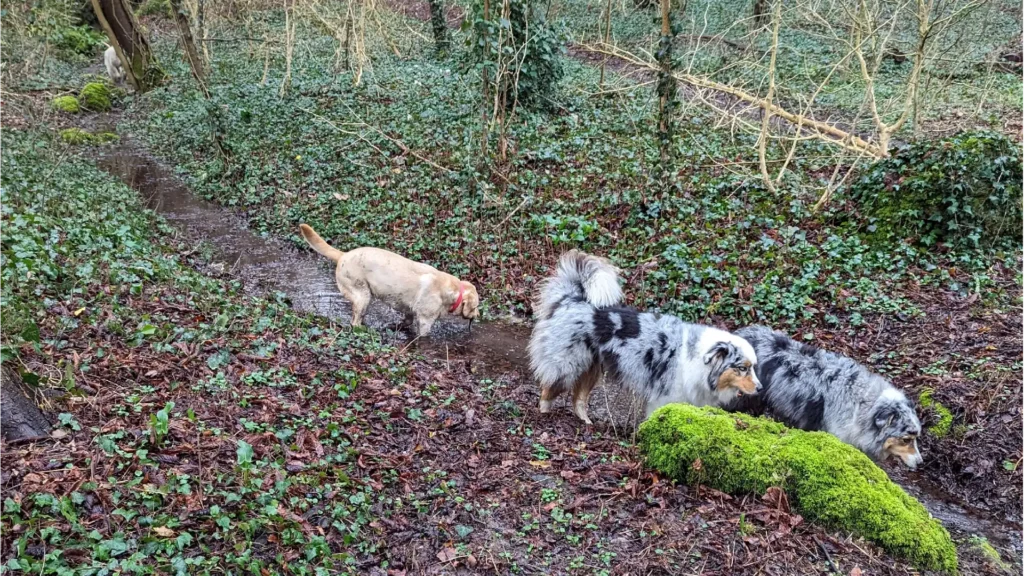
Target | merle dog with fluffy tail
(581,330)
(812,389)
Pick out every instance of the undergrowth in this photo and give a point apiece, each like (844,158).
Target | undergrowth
(724,248)
(187,368)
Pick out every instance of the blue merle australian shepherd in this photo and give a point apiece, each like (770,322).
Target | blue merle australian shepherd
(581,331)
(812,389)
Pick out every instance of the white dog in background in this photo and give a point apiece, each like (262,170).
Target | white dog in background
(114,68)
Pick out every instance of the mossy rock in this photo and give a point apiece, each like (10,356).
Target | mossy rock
(95,96)
(944,417)
(76,136)
(963,189)
(828,481)
(67,104)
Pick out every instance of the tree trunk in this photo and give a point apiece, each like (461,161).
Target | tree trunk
(125,35)
(666,88)
(760,13)
(20,416)
(191,54)
(439,26)
(201,30)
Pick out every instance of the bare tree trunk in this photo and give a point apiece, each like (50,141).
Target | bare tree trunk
(766,112)
(289,46)
(760,13)
(348,38)
(483,143)
(666,88)
(201,30)
(439,26)
(20,416)
(125,35)
(181,20)
(607,40)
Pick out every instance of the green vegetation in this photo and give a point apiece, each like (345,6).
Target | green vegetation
(828,481)
(67,104)
(85,279)
(76,136)
(723,247)
(944,418)
(981,546)
(963,188)
(521,76)
(154,8)
(95,96)
(79,40)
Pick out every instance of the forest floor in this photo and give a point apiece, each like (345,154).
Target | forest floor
(296,445)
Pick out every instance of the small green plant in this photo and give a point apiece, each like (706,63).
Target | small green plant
(95,96)
(160,424)
(944,418)
(243,457)
(966,188)
(981,546)
(830,482)
(68,104)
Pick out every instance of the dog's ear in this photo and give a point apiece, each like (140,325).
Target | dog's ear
(884,418)
(720,350)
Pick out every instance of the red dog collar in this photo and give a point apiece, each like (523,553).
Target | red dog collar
(457,300)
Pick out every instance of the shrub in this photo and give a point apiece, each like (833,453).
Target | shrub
(529,53)
(79,40)
(67,104)
(963,188)
(95,96)
(828,481)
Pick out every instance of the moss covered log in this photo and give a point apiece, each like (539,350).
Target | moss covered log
(828,481)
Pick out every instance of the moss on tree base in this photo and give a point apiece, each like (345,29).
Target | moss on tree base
(828,481)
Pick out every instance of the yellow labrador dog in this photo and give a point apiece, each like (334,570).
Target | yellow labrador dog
(416,289)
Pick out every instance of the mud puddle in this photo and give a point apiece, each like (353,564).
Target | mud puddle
(493,350)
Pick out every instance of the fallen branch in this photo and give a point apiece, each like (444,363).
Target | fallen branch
(823,130)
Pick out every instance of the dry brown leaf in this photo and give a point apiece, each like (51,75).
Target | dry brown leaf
(447,554)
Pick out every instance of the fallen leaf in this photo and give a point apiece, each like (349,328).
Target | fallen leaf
(447,554)
(163,532)
(567,474)
(540,463)
(855,571)
(79,311)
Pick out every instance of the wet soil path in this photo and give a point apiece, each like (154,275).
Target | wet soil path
(491,349)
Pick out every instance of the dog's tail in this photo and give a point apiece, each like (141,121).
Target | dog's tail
(591,278)
(318,244)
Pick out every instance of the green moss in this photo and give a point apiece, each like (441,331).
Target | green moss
(828,481)
(76,136)
(980,546)
(945,418)
(67,104)
(95,96)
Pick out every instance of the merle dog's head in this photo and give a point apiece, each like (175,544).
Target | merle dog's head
(731,366)
(896,428)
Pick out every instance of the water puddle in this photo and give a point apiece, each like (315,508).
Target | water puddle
(492,350)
